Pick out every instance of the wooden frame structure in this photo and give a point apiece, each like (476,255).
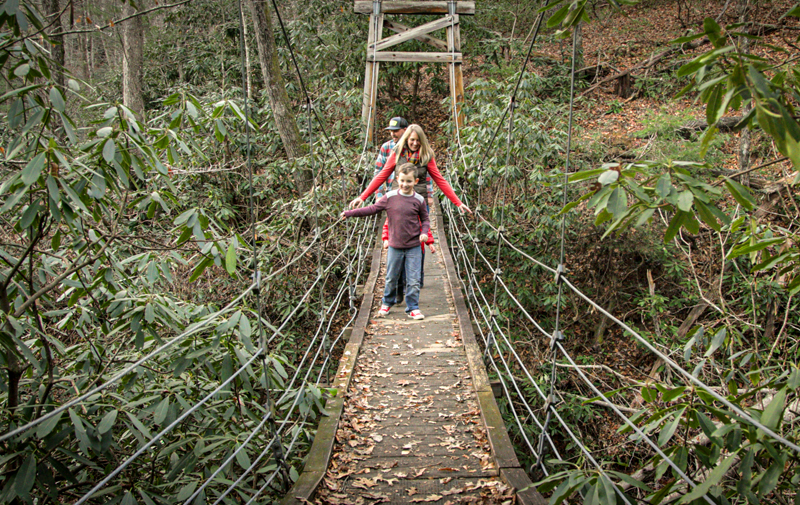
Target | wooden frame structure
(448,51)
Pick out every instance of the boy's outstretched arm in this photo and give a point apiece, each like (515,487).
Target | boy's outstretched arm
(368,210)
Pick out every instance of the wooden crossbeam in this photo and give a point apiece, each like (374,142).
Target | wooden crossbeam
(421,57)
(449,52)
(408,7)
(414,33)
(400,28)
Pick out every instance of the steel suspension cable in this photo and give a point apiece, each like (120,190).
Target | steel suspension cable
(557,335)
(736,410)
(191,330)
(514,93)
(473,291)
(632,425)
(158,436)
(269,419)
(276,436)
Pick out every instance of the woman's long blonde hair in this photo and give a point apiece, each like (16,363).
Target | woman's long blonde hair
(425,151)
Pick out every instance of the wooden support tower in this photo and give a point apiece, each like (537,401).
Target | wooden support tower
(448,51)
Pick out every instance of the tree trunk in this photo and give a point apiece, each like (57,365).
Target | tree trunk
(276,92)
(53,12)
(85,39)
(132,46)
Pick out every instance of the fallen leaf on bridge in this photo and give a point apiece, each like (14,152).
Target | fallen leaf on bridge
(364,483)
(429,498)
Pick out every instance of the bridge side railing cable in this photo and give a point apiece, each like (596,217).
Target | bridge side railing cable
(571,364)
(275,444)
(332,309)
(509,377)
(192,329)
(473,289)
(359,257)
(288,452)
(636,335)
(480,309)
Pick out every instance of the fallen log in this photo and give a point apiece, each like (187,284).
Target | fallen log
(649,62)
(725,124)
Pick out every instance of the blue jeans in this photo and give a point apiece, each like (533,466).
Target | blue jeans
(401,283)
(409,260)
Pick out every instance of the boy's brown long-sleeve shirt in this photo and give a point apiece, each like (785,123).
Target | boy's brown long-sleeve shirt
(405,213)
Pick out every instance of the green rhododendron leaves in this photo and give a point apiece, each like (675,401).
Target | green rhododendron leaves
(33,169)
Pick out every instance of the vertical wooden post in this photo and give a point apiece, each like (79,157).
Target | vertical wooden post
(368,115)
(456,77)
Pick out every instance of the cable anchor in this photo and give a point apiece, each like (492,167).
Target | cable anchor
(497,273)
(257,280)
(490,342)
(559,274)
(557,336)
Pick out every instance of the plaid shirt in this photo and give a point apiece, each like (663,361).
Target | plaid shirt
(411,157)
(383,155)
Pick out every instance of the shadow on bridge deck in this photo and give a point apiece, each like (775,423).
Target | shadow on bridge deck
(418,422)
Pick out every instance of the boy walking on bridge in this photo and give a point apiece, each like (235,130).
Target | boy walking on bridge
(407,212)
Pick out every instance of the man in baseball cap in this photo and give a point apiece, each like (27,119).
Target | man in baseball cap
(397,124)
(397,127)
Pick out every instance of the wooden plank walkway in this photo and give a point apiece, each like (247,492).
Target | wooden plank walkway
(418,423)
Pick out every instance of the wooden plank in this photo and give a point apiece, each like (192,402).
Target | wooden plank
(411,7)
(368,112)
(456,77)
(421,57)
(346,366)
(413,33)
(303,488)
(427,39)
(317,460)
(502,448)
(519,480)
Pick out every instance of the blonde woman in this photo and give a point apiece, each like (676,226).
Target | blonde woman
(413,147)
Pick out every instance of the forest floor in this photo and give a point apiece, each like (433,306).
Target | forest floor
(614,124)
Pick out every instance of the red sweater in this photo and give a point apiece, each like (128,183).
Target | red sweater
(405,213)
(385,234)
(433,170)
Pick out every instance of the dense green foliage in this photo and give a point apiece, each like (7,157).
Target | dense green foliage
(123,236)
(729,458)
(121,233)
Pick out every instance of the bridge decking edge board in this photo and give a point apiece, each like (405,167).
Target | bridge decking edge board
(502,448)
(320,452)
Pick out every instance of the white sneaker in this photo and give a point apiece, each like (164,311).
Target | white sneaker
(416,314)
(383,310)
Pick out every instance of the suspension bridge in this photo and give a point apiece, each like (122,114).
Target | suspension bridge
(412,416)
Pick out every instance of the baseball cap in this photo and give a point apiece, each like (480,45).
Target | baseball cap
(397,123)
